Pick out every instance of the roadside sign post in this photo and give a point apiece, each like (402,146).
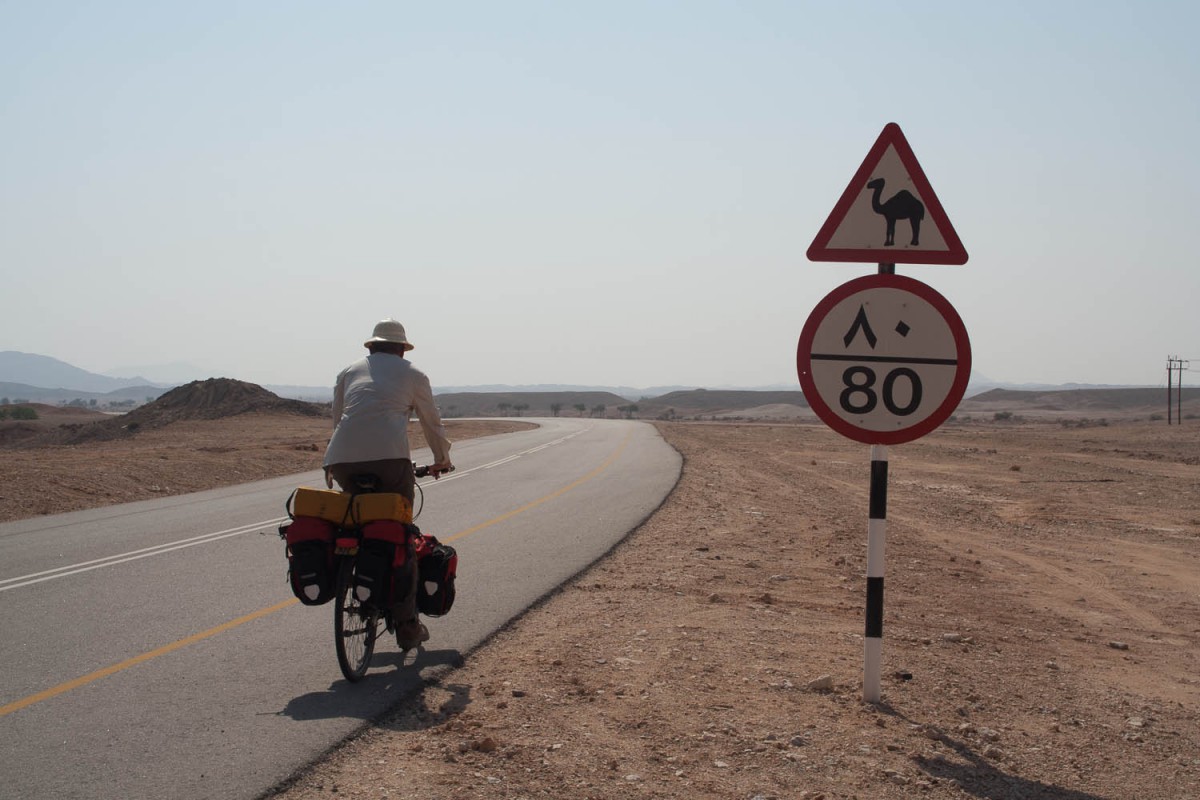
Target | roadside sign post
(884,359)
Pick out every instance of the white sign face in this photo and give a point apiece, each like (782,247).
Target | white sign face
(884,359)
(888,214)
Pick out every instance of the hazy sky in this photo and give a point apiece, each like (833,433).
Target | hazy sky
(598,193)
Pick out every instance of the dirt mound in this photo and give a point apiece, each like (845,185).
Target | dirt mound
(215,398)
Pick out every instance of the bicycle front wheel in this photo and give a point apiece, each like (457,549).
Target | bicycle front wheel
(355,626)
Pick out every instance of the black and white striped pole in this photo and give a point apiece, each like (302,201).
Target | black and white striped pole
(876,536)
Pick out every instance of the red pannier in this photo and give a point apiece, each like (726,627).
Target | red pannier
(310,559)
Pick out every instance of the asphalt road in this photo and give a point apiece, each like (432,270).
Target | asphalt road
(153,650)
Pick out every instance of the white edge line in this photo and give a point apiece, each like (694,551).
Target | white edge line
(164,546)
(118,560)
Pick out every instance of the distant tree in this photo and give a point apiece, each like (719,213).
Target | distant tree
(3,401)
(78,402)
(598,410)
(92,403)
(20,400)
(3,413)
(555,408)
(504,407)
(23,412)
(580,407)
(519,407)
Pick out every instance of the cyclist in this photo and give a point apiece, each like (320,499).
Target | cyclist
(372,402)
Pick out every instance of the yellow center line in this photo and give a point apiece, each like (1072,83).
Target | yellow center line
(83,680)
(54,691)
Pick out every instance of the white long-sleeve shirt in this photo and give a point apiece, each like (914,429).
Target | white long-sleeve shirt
(372,402)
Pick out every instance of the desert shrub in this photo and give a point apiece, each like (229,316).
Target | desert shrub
(1156,417)
(1002,416)
(23,412)
(3,413)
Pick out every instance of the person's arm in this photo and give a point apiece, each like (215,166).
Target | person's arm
(431,425)
(339,398)
(339,403)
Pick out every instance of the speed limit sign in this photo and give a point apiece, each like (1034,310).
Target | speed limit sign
(884,359)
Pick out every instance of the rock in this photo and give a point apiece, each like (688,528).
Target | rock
(485,745)
(952,637)
(821,684)
(1136,722)
(1118,645)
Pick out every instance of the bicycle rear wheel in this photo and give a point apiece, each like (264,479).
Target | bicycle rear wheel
(355,626)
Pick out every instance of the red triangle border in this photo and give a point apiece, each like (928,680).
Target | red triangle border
(891,136)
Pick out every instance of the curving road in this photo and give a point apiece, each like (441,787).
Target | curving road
(153,649)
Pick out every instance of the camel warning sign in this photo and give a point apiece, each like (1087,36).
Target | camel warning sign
(889,213)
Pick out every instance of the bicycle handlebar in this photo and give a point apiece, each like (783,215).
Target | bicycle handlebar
(423,471)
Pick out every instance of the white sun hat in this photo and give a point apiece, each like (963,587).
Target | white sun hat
(389,330)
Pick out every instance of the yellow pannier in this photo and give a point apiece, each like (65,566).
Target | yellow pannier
(381,505)
(322,504)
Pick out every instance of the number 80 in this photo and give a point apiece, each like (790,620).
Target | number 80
(869,397)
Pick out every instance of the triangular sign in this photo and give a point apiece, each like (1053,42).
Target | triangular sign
(889,213)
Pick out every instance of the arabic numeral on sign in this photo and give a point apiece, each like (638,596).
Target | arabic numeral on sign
(859,396)
(852,388)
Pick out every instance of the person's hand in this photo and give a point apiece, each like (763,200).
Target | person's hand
(328,479)
(437,469)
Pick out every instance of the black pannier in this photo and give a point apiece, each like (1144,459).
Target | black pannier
(437,565)
(385,548)
(310,559)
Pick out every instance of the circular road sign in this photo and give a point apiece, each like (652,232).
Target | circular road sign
(884,359)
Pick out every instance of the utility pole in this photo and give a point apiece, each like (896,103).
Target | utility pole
(1175,364)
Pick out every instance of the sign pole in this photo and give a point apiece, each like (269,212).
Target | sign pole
(885,359)
(876,534)
(876,543)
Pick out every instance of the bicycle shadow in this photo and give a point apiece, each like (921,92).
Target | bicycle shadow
(980,777)
(394,679)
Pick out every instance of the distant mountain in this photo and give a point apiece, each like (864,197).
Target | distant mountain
(23,392)
(50,373)
(626,392)
(173,374)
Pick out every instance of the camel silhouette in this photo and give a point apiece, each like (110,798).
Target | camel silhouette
(901,205)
